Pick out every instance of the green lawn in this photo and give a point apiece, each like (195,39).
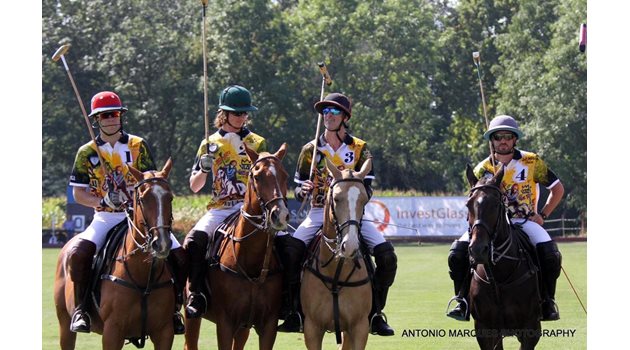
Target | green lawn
(417,301)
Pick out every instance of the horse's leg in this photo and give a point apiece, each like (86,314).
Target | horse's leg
(191,337)
(358,336)
(267,335)
(163,339)
(313,335)
(240,338)
(67,339)
(113,337)
(530,339)
(225,334)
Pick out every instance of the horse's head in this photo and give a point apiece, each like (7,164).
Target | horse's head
(268,182)
(485,212)
(153,211)
(347,198)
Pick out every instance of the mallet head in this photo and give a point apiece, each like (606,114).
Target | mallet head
(476,57)
(204,3)
(324,71)
(60,52)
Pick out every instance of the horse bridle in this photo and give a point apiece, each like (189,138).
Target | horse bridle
(263,219)
(339,227)
(148,237)
(503,248)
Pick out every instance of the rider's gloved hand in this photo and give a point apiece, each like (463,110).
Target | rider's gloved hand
(205,163)
(112,199)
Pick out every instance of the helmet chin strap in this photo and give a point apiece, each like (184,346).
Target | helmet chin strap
(120,129)
(343,122)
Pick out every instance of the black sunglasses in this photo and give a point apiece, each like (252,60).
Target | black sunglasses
(239,114)
(107,115)
(499,137)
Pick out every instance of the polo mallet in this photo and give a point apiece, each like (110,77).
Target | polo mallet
(204,3)
(55,57)
(477,61)
(574,291)
(326,80)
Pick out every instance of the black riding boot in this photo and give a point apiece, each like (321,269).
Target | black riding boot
(458,263)
(80,265)
(178,260)
(195,244)
(550,264)
(384,275)
(291,253)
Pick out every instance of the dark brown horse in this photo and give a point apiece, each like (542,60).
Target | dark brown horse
(247,284)
(336,293)
(135,300)
(504,299)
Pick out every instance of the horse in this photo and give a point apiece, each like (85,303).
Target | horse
(134,302)
(504,297)
(336,291)
(246,284)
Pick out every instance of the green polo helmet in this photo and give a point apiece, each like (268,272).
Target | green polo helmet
(503,123)
(236,98)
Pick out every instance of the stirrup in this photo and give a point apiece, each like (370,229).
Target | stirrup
(284,327)
(459,300)
(198,313)
(84,328)
(383,317)
(555,308)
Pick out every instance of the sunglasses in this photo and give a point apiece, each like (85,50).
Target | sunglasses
(107,115)
(333,111)
(499,137)
(239,114)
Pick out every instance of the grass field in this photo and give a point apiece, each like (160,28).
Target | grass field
(417,301)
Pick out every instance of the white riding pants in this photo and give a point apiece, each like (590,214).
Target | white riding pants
(214,217)
(535,232)
(315,219)
(103,222)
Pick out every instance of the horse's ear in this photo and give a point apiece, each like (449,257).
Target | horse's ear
(470,175)
(365,168)
(137,174)
(336,173)
(281,152)
(253,156)
(167,167)
(498,177)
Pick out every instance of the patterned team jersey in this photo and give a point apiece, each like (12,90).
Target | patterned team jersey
(231,165)
(521,179)
(129,150)
(351,155)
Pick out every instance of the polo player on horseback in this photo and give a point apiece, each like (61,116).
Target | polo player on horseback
(524,173)
(223,149)
(345,151)
(107,194)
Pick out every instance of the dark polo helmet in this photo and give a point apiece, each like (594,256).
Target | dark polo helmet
(503,123)
(236,98)
(106,101)
(337,100)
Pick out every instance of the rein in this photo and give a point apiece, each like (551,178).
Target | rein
(261,224)
(145,247)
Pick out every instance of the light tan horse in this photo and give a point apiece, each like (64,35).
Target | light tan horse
(137,297)
(246,285)
(336,293)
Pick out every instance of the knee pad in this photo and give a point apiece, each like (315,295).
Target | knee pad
(386,265)
(195,245)
(550,258)
(80,258)
(458,261)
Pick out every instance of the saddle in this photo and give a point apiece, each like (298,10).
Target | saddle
(104,259)
(222,231)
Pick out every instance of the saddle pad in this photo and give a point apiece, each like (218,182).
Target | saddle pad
(104,258)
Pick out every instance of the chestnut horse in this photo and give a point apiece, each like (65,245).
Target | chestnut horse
(336,293)
(134,299)
(504,299)
(246,285)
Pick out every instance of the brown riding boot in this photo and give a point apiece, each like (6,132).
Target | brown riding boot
(80,264)
(178,260)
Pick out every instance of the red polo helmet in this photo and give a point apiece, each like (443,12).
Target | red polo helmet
(106,101)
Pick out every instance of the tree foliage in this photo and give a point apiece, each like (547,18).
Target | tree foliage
(407,65)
